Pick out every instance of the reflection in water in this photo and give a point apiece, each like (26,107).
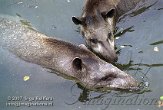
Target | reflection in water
(119,34)
(122,32)
(160,9)
(141,10)
(157,43)
(84,96)
(137,11)
(130,65)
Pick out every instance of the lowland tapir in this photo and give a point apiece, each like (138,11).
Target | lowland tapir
(97,24)
(63,57)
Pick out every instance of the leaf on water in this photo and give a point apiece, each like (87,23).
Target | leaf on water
(26,78)
(156,49)
(161,97)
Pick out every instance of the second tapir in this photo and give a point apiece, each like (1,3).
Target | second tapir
(98,22)
(63,57)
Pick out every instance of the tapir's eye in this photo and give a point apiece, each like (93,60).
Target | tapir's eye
(111,13)
(108,14)
(94,41)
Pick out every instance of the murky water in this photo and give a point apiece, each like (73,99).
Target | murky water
(140,45)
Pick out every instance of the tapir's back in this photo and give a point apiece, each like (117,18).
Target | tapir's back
(19,39)
(30,44)
(33,46)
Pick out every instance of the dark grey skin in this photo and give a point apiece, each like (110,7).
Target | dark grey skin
(97,24)
(63,57)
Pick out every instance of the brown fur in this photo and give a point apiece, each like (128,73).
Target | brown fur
(91,6)
(63,57)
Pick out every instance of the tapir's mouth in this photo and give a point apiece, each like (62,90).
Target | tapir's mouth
(117,82)
(124,84)
(109,77)
(113,82)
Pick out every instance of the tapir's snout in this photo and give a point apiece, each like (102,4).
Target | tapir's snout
(109,56)
(125,82)
(121,81)
(113,78)
(108,51)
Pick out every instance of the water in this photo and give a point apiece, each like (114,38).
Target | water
(140,46)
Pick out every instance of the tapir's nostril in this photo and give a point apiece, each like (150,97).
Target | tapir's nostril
(109,77)
(113,58)
(109,36)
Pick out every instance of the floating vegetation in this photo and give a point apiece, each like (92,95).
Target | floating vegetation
(158,42)
(141,10)
(129,29)
(26,78)
(27,24)
(160,9)
(161,97)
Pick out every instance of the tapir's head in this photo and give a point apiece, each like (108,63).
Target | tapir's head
(97,29)
(96,73)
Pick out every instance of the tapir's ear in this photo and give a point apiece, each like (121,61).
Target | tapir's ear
(111,13)
(77,63)
(77,20)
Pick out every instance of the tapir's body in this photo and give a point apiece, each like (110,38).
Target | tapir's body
(97,24)
(63,57)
